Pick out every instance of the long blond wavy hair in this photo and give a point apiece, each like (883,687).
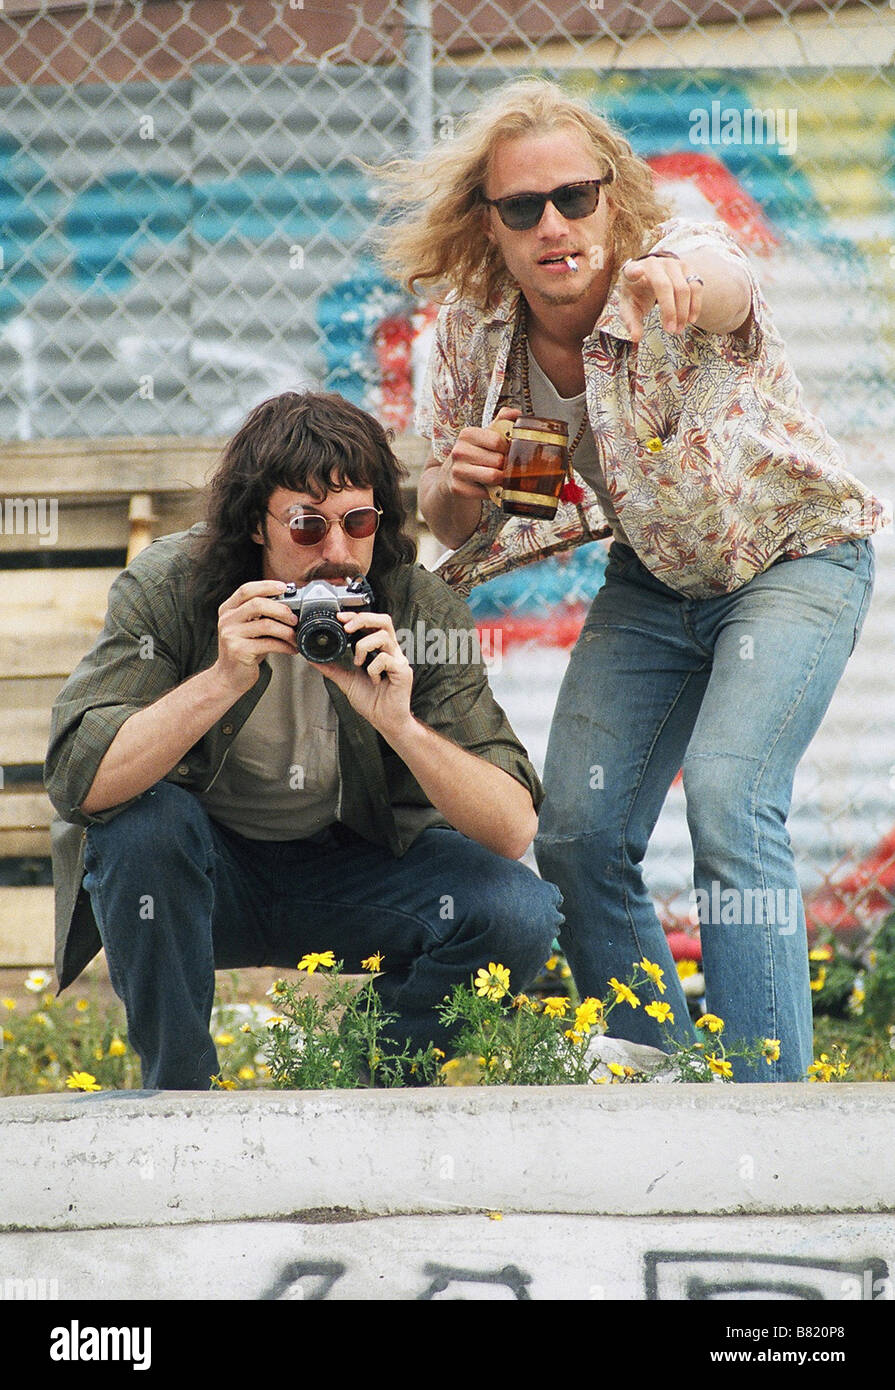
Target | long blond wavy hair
(434,240)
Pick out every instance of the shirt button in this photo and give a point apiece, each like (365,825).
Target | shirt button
(183,770)
(226,728)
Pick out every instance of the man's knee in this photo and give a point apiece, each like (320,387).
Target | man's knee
(521,908)
(165,814)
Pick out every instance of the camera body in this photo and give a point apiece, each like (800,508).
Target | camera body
(319,634)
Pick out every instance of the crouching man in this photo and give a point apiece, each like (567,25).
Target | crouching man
(226,802)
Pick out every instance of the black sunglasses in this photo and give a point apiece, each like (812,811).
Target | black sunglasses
(309,528)
(522,211)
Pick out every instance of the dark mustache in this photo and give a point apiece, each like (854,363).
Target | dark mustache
(326,570)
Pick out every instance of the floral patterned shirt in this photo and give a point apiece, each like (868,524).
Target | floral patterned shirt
(714,465)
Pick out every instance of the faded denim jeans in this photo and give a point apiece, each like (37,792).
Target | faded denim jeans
(732,689)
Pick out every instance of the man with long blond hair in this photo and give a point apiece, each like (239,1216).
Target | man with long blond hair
(739,571)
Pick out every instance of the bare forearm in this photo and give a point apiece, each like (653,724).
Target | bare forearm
(152,741)
(727,294)
(452,519)
(476,797)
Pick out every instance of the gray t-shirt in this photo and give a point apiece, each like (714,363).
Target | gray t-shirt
(550,405)
(280,779)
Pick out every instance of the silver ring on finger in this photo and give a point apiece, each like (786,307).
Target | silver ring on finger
(694,280)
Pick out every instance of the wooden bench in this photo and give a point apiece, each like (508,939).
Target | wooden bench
(112,497)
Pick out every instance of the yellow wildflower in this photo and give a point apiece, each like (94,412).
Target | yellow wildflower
(589,1012)
(720,1066)
(856,999)
(9,1004)
(492,983)
(624,994)
(462,1071)
(616,1068)
(821,978)
(373,963)
(245,1027)
(82,1081)
(313,959)
(246,1073)
(771,1050)
(821,953)
(655,973)
(555,1006)
(48,1001)
(7,1035)
(97,1054)
(522,1001)
(712,1022)
(822,1069)
(495,1215)
(552,963)
(275,1020)
(117,1048)
(573,1036)
(223,1039)
(660,1011)
(226,1083)
(41,1019)
(685,968)
(82,1005)
(437,1052)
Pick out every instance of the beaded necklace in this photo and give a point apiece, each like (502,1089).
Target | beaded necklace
(571,492)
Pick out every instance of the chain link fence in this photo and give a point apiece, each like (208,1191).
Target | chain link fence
(187,227)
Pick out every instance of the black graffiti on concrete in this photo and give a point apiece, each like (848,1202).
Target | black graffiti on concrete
(287,1284)
(445,1275)
(716,1275)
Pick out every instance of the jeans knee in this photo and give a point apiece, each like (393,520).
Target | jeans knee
(523,907)
(163,815)
(574,856)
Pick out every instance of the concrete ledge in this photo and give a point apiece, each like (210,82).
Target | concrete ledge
(463,1257)
(648,1192)
(160,1159)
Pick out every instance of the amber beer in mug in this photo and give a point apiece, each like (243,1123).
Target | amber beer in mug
(536,466)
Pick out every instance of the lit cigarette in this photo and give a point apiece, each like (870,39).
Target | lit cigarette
(571,263)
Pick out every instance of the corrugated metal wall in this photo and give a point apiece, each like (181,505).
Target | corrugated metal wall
(213,234)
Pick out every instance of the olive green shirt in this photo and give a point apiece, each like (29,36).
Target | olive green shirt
(155,637)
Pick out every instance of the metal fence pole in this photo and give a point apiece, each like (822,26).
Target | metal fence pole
(418,65)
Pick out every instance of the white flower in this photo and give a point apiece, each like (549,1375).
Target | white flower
(37,980)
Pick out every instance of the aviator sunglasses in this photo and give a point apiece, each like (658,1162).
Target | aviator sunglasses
(522,211)
(310,528)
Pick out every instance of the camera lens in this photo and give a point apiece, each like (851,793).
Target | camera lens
(321,638)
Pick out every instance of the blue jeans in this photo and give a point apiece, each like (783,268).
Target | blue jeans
(175,896)
(732,688)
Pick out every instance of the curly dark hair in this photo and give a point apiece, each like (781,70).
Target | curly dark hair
(311,442)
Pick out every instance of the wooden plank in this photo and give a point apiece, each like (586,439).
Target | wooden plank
(24,810)
(25,844)
(25,707)
(26,927)
(122,465)
(50,618)
(24,824)
(102,524)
